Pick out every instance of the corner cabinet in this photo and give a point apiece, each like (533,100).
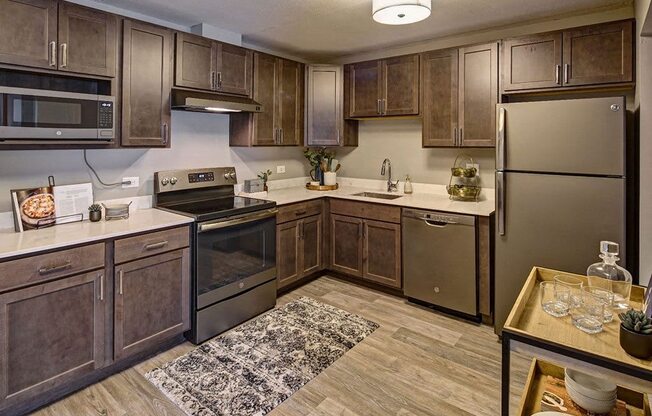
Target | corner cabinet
(279,87)
(597,55)
(146,85)
(459,96)
(387,87)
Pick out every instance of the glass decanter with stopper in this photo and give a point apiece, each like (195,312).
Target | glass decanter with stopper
(608,275)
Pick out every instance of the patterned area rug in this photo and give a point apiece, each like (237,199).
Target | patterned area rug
(255,367)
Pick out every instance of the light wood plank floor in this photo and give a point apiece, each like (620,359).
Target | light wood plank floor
(417,363)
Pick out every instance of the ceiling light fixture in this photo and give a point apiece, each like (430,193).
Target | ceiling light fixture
(401,12)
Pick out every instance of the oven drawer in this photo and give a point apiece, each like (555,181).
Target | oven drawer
(296,211)
(43,267)
(132,248)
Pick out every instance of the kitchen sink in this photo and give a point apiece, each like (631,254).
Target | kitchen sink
(377,195)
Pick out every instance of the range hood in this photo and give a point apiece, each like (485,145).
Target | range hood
(212,103)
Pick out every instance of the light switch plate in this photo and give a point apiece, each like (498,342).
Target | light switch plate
(280,169)
(135,182)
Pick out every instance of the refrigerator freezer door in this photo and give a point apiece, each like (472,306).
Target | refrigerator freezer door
(584,136)
(553,221)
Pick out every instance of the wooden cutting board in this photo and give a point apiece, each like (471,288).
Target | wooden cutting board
(558,387)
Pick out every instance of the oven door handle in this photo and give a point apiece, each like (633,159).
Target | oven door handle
(205,227)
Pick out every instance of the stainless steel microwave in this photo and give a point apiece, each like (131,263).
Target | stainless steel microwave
(32,115)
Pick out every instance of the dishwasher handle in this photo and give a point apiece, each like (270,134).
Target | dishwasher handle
(437,224)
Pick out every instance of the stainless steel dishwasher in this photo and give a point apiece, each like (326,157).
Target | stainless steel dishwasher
(439,262)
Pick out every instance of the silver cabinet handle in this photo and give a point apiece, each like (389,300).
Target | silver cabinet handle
(566,73)
(378,105)
(500,140)
(219,80)
(338,136)
(281,136)
(384,106)
(53,53)
(54,269)
(557,74)
(121,275)
(461,138)
(155,246)
(64,55)
(211,79)
(455,136)
(500,201)
(164,133)
(101,287)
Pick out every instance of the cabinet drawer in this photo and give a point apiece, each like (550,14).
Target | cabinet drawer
(366,210)
(132,248)
(296,211)
(43,267)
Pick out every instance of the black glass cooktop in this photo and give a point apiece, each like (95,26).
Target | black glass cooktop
(227,206)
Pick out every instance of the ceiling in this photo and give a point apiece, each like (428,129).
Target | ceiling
(324,29)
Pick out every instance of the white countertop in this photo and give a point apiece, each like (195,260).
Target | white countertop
(16,244)
(430,198)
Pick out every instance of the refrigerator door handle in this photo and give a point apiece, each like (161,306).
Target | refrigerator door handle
(500,202)
(500,140)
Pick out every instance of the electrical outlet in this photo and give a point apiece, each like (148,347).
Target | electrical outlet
(280,169)
(474,165)
(135,181)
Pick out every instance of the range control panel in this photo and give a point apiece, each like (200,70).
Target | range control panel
(176,180)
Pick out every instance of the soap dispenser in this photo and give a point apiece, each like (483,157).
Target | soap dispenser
(610,275)
(407,188)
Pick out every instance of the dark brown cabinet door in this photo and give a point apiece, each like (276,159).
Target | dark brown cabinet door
(146,85)
(365,89)
(290,110)
(382,253)
(532,62)
(51,334)
(478,95)
(28,33)
(195,62)
(599,54)
(346,245)
(288,253)
(324,121)
(311,244)
(439,73)
(234,69)
(152,301)
(88,40)
(400,86)
(265,129)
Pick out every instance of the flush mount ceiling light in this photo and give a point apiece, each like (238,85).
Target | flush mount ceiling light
(401,12)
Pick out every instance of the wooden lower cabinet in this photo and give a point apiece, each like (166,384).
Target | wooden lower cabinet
(51,334)
(382,253)
(346,245)
(152,301)
(298,249)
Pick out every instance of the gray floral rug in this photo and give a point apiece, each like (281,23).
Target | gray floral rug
(255,367)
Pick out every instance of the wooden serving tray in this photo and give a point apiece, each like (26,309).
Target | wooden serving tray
(322,187)
(544,376)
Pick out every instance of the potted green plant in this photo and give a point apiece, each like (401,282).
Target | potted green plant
(264,175)
(95,212)
(317,158)
(636,333)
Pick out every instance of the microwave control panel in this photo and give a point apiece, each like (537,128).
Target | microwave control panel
(105,115)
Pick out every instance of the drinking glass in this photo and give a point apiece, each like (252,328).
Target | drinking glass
(574,285)
(555,299)
(589,316)
(605,296)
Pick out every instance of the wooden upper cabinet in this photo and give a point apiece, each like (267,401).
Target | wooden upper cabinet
(195,62)
(439,97)
(532,62)
(599,54)
(478,83)
(234,69)
(365,89)
(88,40)
(266,73)
(28,33)
(290,110)
(146,85)
(400,86)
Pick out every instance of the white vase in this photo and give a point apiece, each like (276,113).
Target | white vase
(330,178)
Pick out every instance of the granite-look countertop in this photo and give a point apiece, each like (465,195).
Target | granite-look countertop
(28,242)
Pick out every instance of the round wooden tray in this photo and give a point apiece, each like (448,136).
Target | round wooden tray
(322,187)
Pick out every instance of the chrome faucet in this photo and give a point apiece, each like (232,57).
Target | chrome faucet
(391,186)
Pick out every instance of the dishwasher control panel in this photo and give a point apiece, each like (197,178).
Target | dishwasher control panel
(439,217)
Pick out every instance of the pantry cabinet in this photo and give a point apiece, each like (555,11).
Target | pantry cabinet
(597,55)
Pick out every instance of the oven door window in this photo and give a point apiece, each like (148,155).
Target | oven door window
(229,255)
(51,112)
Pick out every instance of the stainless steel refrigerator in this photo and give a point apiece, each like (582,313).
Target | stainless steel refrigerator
(560,189)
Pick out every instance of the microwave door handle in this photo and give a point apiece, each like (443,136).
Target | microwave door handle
(205,227)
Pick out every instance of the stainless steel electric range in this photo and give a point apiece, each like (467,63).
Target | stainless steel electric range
(234,247)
